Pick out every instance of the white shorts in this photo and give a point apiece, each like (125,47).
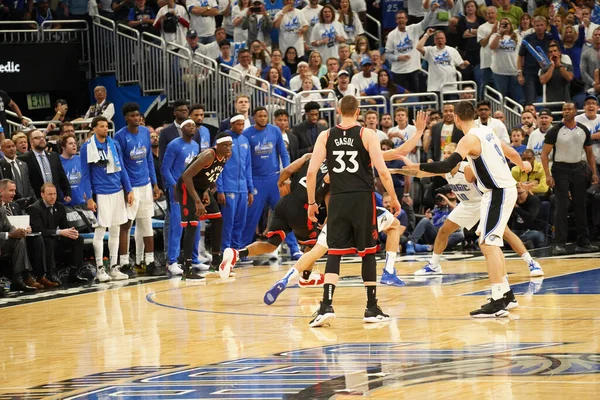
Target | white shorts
(112,210)
(496,207)
(143,203)
(385,219)
(466,215)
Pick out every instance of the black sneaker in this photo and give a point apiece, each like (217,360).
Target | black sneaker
(322,315)
(493,309)
(374,314)
(188,273)
(130,272)
(140,268)
(155,270)
(510,301)
(586,248)
(559,250)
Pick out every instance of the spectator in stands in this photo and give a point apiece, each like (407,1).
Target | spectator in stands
(45,166)
(49,217)
(291,60)
(60,111)
(468,26)
(121,10)
(6,101)
(556,76)
(372,122)
(523,224)
(386,123)
(443,133)
(345,61)
(569,177)
(401,52)
(528,125)
(504,46)
(315,64)
(258,23)
(344,87)
(202,18)
(105,9)
(308,130)
(590,27)
(591,120)
(260,56)
(484,109)
(244,65)
(242,106)
(361,49)
(292,25)
(178,154)
(303,72)
(102,107)
(328,33)
(525,27)
(366,77)
(499,115)
(537,137)
(311,14)
(590,61)
(306,93)
(349,20)
(21,142)
(516,140)
(282,121)
(534,180)
(527,65)
(172,21)
(277,63)
(441,13)
(442,60)
(225,57)
(213,49)
(202,135)
(277,82)
(387,204)
(16,170)
(510,12)
(235,189)
(384,87)
(484,36)
(379,62)
(71,163)
(403,130)
(329,80)
(433,118)
(239,12)
(141,17)
(154,139)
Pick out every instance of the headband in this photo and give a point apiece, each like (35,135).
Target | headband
(235,118)
(187,121)
(224,139)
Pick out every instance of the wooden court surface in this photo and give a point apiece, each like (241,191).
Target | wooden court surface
(218,340)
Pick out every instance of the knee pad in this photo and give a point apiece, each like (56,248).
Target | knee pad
(275,238)
(333,264)
(369,268)
(145,226)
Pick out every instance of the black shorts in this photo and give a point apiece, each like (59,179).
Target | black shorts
(352,224)
(188,206)
(292,216)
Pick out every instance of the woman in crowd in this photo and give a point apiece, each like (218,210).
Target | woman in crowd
(277,62)
(315,64)
(468,47)
(238,13)
(350,21)
(361,49)
(384,87)
(327,35)
(525,27)
(260,56)
(505,46)
(291,60)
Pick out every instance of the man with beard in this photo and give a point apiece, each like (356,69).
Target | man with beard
(536,139)
(203,134)
(528,124)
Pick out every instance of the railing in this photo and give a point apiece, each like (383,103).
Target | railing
(68,31)
(13,32)
(105,38)
(512,112)
(554,106)
(287,101)
(457,93)
(494,97)
(370,35)
(414,101)
(128,55)
(153,77)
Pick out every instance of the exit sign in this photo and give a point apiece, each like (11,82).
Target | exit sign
(38,101)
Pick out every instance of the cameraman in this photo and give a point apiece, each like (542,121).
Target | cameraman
(427,228)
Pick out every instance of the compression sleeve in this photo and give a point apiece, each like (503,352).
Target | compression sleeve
(442,167)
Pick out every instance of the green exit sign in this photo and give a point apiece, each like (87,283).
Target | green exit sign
(37,101)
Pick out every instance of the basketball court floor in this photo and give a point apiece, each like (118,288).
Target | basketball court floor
(168,339)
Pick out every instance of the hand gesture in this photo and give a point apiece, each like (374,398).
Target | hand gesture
(130,199)
(430,31)
(550,181)
(526,167)
(250,199)
(91,205)
(420,122)
(200,210)
(434,7)
(395,206)
(313,209)
(428,214)
(205,198)
(409,165)
(594,179)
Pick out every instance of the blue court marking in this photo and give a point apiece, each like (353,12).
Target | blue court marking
(572,283)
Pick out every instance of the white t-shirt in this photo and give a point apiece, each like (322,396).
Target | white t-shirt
(327,31)
(358,5)
(497,126)
(361,82)
(296,83)
(415,8)
(442,67)
(594,126)
(312,17)
(227,21)
(485,54)
(179,36)
(504,58)
(239,34)
(407,132)
(292,22)
(404,43)
(589,31)
(351,30)
(536,143)
(350,90)
(204,26)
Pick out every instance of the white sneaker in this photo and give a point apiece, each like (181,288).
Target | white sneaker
(205,258)
(116,274)
(201,267)
(429,269)
(101,275)
(535,269)
(174,269)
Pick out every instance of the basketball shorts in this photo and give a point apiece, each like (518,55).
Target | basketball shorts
(292,216)
(111,209)
(496,207)
(143,203)
(466,215)
(352,222)
(188,206)
(385,219)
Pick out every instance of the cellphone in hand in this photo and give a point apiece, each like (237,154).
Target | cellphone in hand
(255,9)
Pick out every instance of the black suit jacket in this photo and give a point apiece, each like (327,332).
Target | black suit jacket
(435,148)
(42,221)
(16,208)
(225,124)
(294,147)
(59,178)
(8,174)
(303,131)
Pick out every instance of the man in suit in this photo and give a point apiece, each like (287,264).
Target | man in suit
(181,111)
(13,248)
(45,167)
(308,130)
(282,121)
(242,106)
(50,219)
(443,133)
(16,170)
(35,243)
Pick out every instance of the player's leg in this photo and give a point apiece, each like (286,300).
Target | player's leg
(228,212)
(125,234)
(98,244)
(189,222)
(517,245)
(239,221)
(290,240)
(175,233)
(391,226)
(433,267)
(255,211)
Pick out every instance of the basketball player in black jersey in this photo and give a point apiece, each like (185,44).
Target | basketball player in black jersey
(193,192)
(351,152)
(290,214)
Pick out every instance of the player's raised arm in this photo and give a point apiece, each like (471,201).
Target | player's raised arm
(406,147)
(371,142)
(318,155)
(205,159)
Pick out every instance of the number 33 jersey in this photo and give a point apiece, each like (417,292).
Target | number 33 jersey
(348,162)
(490,167)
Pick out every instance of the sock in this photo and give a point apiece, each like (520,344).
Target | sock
(497,291)
(435,259)
(371,295)
(98,243)
(124,259)
(505,285)
(113,244)
(390,260)
(243,252)
(202,236)
(306,274)
(527,257)
(149,258)
(328,290)
(290,275)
